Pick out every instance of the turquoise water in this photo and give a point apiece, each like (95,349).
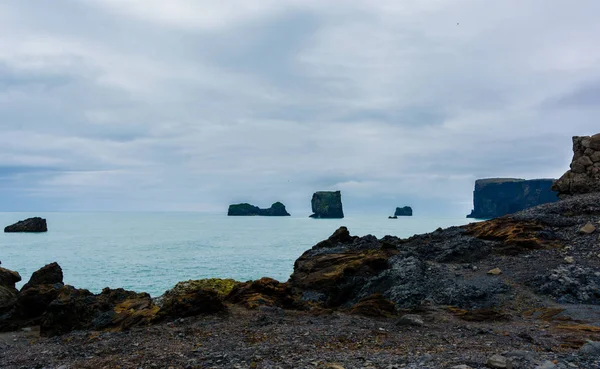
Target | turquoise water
(152,251)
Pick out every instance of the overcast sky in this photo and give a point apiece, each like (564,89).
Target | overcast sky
(193,105)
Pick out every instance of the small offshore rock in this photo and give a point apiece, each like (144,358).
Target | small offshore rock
(410,319)
(499,362)
(589,228)
(569,260)
(495,271)
(34,225)
(590,348)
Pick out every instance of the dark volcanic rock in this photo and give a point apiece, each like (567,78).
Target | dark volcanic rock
(8,292)
(277,209)
(36,224)
(49,274)
(263,292)
(584,176)
(405,211)
(327,204)
(194,297)
(495,197)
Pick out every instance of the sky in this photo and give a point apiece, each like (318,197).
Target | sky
(190,105)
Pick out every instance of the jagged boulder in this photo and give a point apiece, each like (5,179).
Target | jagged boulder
(584,175)
(496,197)
(263,292)
(8,292)
(405,211)
(245,209)
(327,204)
(48,274)
(35,225)
(195,297)
(114,309)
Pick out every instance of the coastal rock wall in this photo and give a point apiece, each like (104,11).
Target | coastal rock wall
(495,197)
(327,204)
(584,175)
(245,209)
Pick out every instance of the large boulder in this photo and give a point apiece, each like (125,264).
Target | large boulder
(263,292)
(405,211)
(584,175)
(245,209)
(114,309)
(8,292)
(195,297)
(36,224)
(495,197)
(48,274)
(327,204)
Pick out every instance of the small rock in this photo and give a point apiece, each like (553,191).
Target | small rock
(569,260)
(546,365)
(461,366)
(495,271)
(334,366)
(499,362)
(588,228)
(410,319)
(590,348)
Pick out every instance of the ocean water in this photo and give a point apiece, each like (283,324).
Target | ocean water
(151,252)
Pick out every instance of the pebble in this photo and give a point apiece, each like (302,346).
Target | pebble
(334,366)
(495,271)
(461,366)
(590,348)
(588,228)
(499,362)
(569,260)
(410,319)
(546,365)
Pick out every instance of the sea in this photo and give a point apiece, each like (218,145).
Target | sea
(151,252)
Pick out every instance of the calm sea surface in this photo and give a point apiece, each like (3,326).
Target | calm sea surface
(152,251)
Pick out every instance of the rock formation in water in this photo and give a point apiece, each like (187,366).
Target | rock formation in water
(405,211)
(495,197)
(277,209)
(584,175)
(327,204)
(36,224)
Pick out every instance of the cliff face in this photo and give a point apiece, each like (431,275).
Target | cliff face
(584,176)
(327,204)
(405,211)
(277,209)
(495,197)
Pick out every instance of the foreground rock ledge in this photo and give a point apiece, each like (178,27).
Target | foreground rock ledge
(33,225)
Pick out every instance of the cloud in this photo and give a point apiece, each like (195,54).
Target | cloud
(191,105)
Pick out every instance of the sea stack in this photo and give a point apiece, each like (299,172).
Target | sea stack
(495,197)
(327,204)
(405,211)
(584,175)
(276,210)
(36,224)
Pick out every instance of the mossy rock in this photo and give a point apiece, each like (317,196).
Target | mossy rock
(221,286)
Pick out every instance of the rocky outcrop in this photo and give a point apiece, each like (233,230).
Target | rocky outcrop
(35,225)
(405,211)
(584,175)
(495,197)
(327,204)
(277,209)
(49,274)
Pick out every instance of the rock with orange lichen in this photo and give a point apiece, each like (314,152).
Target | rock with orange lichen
(263,292)
(374,306)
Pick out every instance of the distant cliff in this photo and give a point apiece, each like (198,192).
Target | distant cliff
(327,204)
(277,209)
(495,197)
(405,211)
(584,176)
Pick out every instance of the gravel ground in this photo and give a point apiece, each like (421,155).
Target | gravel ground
(274,338)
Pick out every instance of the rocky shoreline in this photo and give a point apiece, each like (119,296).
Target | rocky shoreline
(525,282)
